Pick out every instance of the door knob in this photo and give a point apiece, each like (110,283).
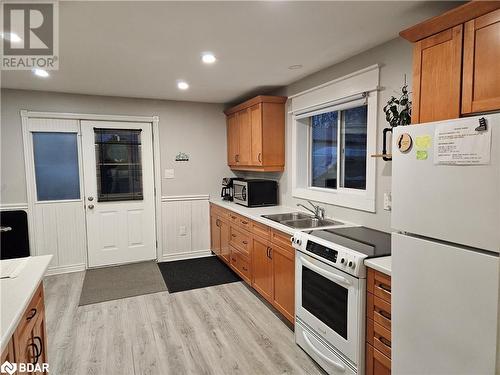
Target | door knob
(90,206)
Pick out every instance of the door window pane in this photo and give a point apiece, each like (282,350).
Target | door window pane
(56,166)
(354,131)
(118,164)
(324,150)
(326,300)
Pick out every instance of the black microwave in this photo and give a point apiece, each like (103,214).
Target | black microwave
(255,192)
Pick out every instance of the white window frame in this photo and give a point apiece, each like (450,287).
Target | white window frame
(346,92)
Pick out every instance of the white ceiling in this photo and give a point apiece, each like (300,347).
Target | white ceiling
(140,49)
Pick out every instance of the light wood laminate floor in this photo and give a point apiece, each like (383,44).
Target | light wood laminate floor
(224,329)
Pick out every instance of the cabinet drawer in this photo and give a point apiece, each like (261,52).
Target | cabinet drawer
(241,240)
(233,218)
(378,310)
(376,362)
(245,223)
(382,339)
(261,230)
(241,265)
(281,239)
(379,285)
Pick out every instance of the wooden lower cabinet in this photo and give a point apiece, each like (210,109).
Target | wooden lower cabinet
(378,323)
(284,280)
(262,270)
(376,362)
(29,341)
(261,256)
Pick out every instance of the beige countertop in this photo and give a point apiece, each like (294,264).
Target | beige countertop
(16,293)
(382,264)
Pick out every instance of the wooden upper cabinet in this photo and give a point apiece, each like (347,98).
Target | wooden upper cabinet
(481,70)
(244,137)
(232,139)
(456,62)
(256,134)
(437,64)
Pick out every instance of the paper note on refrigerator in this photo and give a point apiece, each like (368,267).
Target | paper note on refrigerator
(462,144)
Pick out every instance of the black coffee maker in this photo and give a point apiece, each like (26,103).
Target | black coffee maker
(227,189)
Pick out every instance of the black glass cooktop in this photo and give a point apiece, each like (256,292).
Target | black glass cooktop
(364,240)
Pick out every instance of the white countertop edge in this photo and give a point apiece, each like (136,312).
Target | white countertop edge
(32,274)
(255,213)
(382,264)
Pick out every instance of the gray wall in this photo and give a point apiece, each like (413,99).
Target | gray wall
(195,128)
(395,59)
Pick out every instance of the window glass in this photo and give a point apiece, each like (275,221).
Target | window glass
(118,164)
(324,150)
(354,155)
(56,166)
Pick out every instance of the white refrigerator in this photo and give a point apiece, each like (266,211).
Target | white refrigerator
(445,246)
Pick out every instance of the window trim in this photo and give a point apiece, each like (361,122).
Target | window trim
(337,94)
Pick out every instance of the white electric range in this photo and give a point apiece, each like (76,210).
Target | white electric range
(330,293)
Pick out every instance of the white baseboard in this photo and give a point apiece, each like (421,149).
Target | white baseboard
(190,255)
(65,269)
(13,206)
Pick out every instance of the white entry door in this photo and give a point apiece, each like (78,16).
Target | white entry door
(119,192)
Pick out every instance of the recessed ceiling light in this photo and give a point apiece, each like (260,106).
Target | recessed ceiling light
(40,73)
(13,37)
(294,67)
(182,85)
(208,58)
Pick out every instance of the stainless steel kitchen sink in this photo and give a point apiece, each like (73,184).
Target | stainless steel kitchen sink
(287,217)
(298,220)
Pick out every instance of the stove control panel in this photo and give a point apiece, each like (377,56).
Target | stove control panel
(345,260)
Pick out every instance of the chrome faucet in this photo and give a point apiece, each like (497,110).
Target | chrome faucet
(319,212)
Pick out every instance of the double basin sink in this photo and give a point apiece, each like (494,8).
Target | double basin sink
(298,220)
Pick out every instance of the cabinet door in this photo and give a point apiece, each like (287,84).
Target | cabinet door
(284,281)
(481,74)
(225,250)
(245,137)
(215,235)
(437,64)
(25,349)
(256,128)
(262,268)
(376,362)
(232,139)
(40,340)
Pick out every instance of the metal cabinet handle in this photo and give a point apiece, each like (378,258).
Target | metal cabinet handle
(259,157)
(244,222)
(245,242)
(40,349)
(233,235)
(33,312)
(385,287)
(270,252)
(245,269)
(385,314)
(5,229)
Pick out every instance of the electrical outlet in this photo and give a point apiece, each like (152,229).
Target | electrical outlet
(182,230)
(387,201)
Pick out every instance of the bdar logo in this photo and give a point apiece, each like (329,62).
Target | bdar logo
(8,368)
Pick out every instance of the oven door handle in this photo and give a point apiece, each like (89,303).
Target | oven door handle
(337,365)
(326,274)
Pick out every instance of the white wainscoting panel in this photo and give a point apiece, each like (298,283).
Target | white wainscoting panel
(60,231)
(186,227)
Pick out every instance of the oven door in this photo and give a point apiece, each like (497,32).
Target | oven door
(240,193)
(331,303)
